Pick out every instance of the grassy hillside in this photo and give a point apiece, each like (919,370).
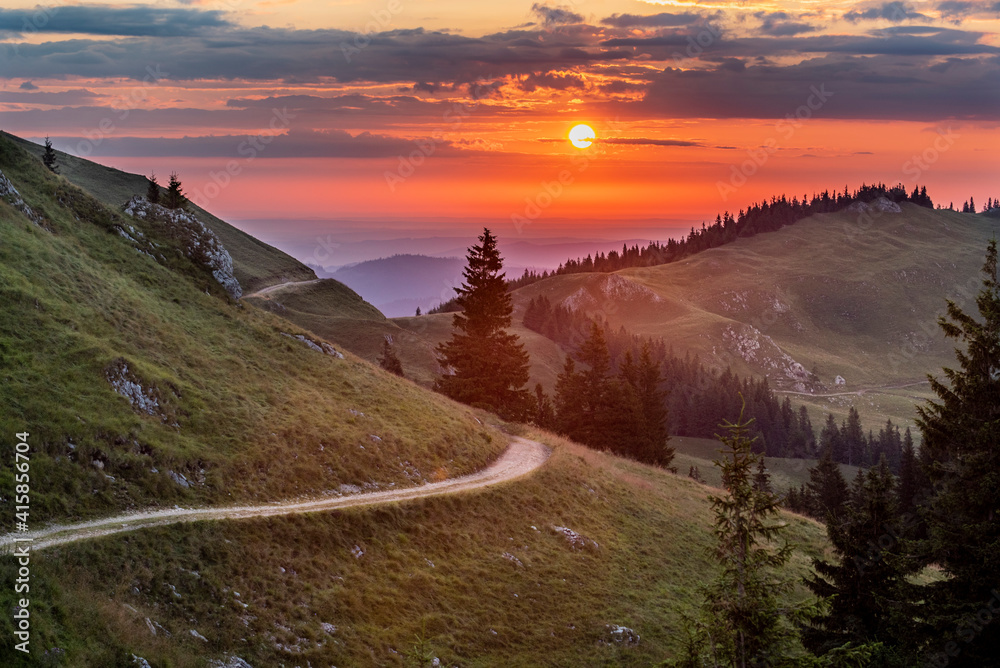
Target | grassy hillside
(480,579)
(255,263)
(785,473)
(839,296)
(223,406)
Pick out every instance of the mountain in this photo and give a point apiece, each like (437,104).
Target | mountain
(399,284)
(256,264)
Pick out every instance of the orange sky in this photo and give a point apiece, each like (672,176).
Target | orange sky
(400,109)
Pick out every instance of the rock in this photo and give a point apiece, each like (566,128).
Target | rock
(179,478)
(10,195)
(576,541)
(229,662)
(328,628)
(198,242)
(357,552)
(511,558)
(320,347)
(145,397)
(198,635)
(839,380)
(880,205)
(622,635)
(141,662)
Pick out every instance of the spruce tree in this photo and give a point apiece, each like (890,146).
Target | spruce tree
(866,583)
(153,190)
(827,487)
(175,193)
(49,157)
(388,359)
(484,364)
(744,621)
(961,433)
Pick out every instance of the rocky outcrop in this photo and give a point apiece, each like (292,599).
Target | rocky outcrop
(880,205)
(318,346)
(145,397)
(198,242)
(610,289)
(10,195)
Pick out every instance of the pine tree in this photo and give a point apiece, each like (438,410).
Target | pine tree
(827,487)
(866,584)
(961,433)
(485,365)
(909,476)
(49,157)
(595,427)
(544,412)
(418,312)
(153,190)
(744,621)
(569,401)
(388,360)
(175,194)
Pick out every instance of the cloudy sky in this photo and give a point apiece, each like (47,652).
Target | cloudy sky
(448,108)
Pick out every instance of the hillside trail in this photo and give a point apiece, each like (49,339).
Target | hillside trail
(522,457)
(278,286)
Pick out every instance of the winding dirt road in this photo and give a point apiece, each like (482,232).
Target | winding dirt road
(522,457)
(263,292)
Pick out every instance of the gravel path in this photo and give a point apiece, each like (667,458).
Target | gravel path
(522,457)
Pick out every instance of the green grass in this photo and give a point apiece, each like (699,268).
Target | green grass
(785,472)
(256,264)
(433,577)
(250,414)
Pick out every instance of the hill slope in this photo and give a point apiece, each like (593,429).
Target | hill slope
(256,264)
(835,295)
(141,382)
(534,572)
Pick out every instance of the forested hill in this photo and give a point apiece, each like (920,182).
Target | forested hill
(767,216)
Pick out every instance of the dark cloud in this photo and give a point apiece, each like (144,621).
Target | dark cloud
(554,81)
(134,21)
(558,15)
(664,20)
(61,98)
(786,28)
(877,87)
(643,141)
(293,144)
(315,55)
(27,85)
(959,9)
(890,11)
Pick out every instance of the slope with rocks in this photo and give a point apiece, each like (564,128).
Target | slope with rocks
(143,381)
(255,263)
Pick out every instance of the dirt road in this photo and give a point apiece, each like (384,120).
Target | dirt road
(522,457)
(273,288)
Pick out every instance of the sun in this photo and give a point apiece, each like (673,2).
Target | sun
(582,136)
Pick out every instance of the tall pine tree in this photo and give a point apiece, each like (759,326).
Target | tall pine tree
(175,194)
(153,190)
(961,449)
(484,364)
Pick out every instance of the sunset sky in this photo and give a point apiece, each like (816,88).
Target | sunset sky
(402,109)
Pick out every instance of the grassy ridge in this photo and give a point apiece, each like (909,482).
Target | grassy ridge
(243,412)
(255,263)
(434,579)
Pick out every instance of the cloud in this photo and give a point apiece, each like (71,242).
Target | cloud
(27,85)
(958,9)
(61,98)
(664,20)
(833,86)
(781,24)
(895,11)
(133,21)
(554,81)
(644,141)
(293,144)
(558,15)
